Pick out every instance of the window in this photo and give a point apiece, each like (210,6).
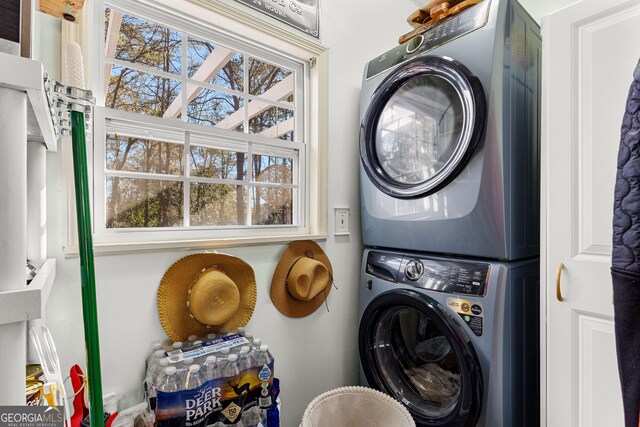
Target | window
(200,134)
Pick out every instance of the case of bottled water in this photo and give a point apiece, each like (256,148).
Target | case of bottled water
(211,381)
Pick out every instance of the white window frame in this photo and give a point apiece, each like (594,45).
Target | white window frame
(230,19)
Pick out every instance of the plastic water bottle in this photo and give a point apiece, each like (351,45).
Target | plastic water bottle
(192,338)
(255,349)
(265,372)
(176,345)
(166,344)
(251,417)
(211,369)
(154,347)
(157,355)
(157,368)
(264,358)
(193,379)
(224,355)
(182,369)
(212,336)
(155,377)
(169,383)
(244,358)
(263,417)
(231,368)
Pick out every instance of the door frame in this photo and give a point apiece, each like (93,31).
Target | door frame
(544,192)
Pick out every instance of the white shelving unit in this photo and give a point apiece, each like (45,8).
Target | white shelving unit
(29,303)
(27,75)
(26,126)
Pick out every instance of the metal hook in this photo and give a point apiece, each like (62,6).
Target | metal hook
(325,299)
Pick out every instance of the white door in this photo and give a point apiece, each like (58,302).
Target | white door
(590,50)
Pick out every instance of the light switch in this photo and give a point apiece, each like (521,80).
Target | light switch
(342,221)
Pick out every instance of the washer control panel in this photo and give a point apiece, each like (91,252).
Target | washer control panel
(450,276)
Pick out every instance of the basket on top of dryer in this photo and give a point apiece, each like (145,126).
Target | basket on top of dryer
(427,16)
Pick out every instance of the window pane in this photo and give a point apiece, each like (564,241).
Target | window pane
(143,155)
(271,169)
(215,163)
(143,42)
(272,205)
(139,92)
(274,122)
(215,65)
(134,202)
(217,204)
(270,81)
(211,108)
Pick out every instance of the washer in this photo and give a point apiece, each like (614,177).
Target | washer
(449,138)
(456,340)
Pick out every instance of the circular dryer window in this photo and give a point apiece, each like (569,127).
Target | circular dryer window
(418,129)
(422,126)
(413,351)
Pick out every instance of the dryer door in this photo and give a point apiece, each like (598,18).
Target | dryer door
(413,350)
(421,127)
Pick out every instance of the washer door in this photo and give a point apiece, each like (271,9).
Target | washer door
(411,349)
(421,127)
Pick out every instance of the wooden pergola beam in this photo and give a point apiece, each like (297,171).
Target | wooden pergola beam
(113,31)
(280,90)
(279,129)
(211,66)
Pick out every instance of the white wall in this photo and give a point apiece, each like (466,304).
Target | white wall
(313,354)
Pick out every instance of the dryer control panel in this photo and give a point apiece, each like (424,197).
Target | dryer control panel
(449,276)
(437,34)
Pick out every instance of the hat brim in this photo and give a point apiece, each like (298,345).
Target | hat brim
(282,300)
(178,279)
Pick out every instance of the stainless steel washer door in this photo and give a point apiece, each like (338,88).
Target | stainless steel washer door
(421,127)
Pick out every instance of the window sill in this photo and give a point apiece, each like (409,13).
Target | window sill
(100,249)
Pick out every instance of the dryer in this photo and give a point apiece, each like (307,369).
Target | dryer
(449,137)
(456,340)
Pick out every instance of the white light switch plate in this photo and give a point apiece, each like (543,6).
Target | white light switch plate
(342,221)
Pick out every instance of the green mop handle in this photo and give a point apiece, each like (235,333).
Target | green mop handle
(87,271)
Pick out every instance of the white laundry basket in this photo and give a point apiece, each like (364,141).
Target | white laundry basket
(356,407)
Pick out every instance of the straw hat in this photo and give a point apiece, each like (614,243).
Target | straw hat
(302,279)
(204,293)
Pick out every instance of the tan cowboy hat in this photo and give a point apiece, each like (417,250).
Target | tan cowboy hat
(302,279)
(204,293)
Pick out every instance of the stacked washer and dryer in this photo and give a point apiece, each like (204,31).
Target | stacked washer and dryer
(449,292)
